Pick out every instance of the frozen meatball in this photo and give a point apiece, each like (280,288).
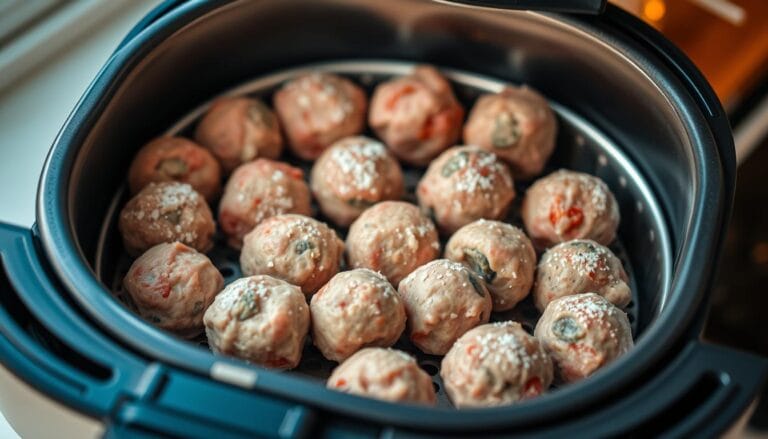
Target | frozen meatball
(295,248)
(465,184)
(443,300)
(583,333)
(353,175)
(496,364)
(258,190)
(171,285)
(176,159)
(166,212)
(517,125)
(318,109)
(356,309)
(393,238)
(260,319)
(568,205)
(580,266)
(501,255)
(385,374)
(417,115)
(239,129)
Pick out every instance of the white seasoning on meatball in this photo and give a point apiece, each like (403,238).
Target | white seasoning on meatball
(171,285)
(518,125)
(465,184)
(259,190)
(385,374)
(295,248)
(568,205)
(496,364)
(260,319)
(583,333)
(443,300)
(353,174)
(416,115)
(501,255)
(166,212)
(356,309)
(392,237)
(580,266)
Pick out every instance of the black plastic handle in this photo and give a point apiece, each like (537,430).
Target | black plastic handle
(591,7)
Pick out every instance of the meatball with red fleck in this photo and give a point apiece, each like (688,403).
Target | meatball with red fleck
(385,374)
(416,115)
(583,333)
(171,285)
(580,266)
(240,129)
(318,109)
(260,319)
(166,212)
(516,124)
(463,185)
(352,175)
(259,190)
(568,205)
(496,364)
(167,159)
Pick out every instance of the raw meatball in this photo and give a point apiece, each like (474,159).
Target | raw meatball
(443,300)
(465,184)
(568,205)
(318,109)
(501,255)
(384,374)
(176,159)
(295,248)
(352,175)
(583,333)
(239,129)
(171,286)
(417,115)
(580,266)
(393,238)
(356,309)
(166,212)
(260,319)
(258,190)
(496,364)
(516,124)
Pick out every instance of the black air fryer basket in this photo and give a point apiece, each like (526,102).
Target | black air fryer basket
(631,109)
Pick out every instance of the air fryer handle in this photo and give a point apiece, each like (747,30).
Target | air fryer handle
(591,7)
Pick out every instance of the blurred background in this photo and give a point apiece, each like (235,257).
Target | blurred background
(51,49)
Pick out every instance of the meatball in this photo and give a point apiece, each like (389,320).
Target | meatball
(356,309)
(385,374)
(318,109)
(166,212)
(583,333)
(496,364)
(171,285)
(393,238)
(258,190)
(580,266)
(239,129)
(501,255)
(417,115)
(465,184)
(176,159)
(516,124)
(295,248)
(443,300)
(353,174)
(568,205)
(260,319)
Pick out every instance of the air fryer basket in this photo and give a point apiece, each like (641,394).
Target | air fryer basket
(632,110)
